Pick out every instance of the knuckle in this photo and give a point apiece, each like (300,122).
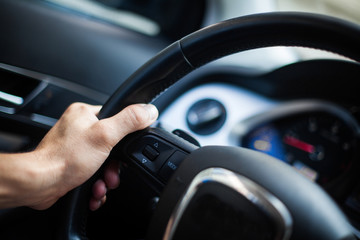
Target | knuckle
(136,118)
(104,134)
(76,107)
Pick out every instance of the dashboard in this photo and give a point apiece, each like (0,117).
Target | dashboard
(317,138)
(316,132)
(305,113)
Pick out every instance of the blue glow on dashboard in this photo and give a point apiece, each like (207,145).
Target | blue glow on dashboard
(267,139)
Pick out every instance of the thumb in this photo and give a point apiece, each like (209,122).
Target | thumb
(130,119)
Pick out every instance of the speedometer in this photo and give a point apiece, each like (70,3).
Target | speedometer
(318,139)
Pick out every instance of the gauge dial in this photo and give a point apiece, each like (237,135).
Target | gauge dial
(318,144)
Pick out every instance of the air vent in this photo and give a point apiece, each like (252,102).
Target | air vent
(15,88)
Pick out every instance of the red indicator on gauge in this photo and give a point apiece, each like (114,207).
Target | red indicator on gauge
(294,142)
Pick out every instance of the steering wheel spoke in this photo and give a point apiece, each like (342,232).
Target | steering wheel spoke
(157,154)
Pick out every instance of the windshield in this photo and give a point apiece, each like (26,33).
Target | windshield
(174,19)
(346,9)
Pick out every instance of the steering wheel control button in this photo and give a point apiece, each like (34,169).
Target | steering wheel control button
(186,136)
(206,116)
(171,165)
(150,152)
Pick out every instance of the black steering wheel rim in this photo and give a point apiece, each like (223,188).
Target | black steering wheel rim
(208,44)
(233,36)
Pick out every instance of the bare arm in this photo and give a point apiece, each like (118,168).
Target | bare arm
(71,152)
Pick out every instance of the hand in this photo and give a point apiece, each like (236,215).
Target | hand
(111,180)
(71,152)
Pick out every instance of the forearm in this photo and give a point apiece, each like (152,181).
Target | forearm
(22,180)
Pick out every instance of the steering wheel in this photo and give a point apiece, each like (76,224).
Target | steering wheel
(231,191)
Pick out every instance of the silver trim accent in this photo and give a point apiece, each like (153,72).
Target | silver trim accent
(7,110)
(11,98)
(49,121)
(239,103)
(244,186)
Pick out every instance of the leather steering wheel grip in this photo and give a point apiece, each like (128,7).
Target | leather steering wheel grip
(233,36)
(211,43)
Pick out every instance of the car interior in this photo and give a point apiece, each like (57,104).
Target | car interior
(258,130)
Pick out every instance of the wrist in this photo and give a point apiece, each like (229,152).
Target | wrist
(18,179)
(27,179)
(47,173)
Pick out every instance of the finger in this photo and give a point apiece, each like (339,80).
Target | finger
(95,204)
(132,118)
(136,117)
(111,175)
(99,189)
(103,200)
